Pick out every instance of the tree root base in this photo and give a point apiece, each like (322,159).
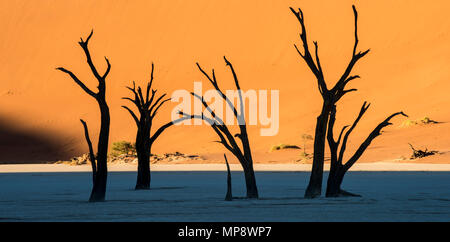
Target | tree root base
(343,193)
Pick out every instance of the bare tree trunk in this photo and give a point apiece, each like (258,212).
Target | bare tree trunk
(250,182)
(314,188)
(99,189)
(143,154)
(334,183)
(143,176)
(229,195)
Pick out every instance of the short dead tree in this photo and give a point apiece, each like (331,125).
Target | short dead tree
(337,148)
(229,195)
(99,162)
(148,106)
(227,139)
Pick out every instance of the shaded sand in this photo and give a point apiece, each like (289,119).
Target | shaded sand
(375,166)
(407,69)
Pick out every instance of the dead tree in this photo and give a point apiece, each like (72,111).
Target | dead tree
(227,139)
(99,162)
(229,195)
(148,107)
(337,149)
(330,98)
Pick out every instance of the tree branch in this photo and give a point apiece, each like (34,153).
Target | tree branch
(164,127)
(108,69)
(132,115)
(91,150)
(77,81)
(213,114)
(375,133)
(316,69)
(155,104)
(149,85)
(221,130)
(160,104)
(213,81)
(84,45)
(241,115)
(331,142)
(364,108)
(340,85)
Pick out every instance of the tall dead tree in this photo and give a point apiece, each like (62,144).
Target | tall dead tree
(99,162)
(337,167)
(227,139)
(148,107)
(330,98)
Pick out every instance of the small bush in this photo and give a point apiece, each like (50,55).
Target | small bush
(305,157)
(426,120)
(306,138)
(283,146)
(123,148)
(408,123)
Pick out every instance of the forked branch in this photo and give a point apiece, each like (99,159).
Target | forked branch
(315,68)
(375,133)
(364,108)
(338,89)
(213,81)
(100,78)
(227,139)
(335,144)
(91,150)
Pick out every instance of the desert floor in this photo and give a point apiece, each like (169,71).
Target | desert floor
(199,196)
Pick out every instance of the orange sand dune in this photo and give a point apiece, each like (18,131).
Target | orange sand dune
(407,68)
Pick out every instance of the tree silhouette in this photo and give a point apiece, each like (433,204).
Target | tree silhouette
(330,98)
(227,139)
(148,106)
(99,162)
(229,195)
(337,167)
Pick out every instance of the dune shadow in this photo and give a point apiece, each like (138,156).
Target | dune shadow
(19,146)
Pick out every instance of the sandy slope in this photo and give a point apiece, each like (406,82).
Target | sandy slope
(406,69)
